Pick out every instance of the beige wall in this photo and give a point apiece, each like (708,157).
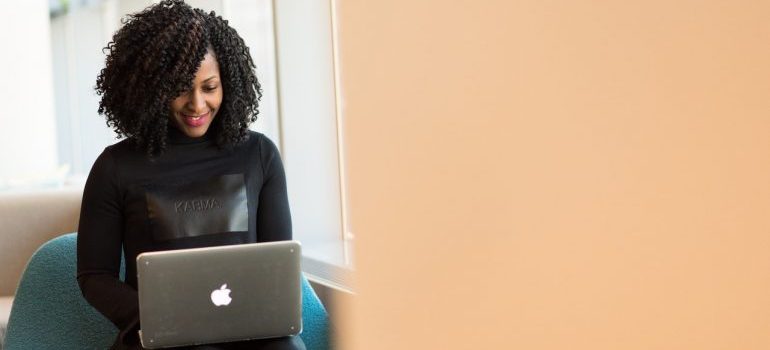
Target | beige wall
(558,174)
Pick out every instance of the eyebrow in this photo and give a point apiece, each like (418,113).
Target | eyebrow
(211,77)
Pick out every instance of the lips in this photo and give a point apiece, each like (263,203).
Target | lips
(195,120)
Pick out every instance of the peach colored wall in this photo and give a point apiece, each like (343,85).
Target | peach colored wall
(558,174)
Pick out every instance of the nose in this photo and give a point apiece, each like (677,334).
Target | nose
(197,102)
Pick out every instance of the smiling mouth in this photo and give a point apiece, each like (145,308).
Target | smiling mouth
(195,121)
(195,117)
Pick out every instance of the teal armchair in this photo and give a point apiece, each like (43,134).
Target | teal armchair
(49,312)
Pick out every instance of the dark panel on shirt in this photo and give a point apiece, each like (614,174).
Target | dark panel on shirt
(196,208)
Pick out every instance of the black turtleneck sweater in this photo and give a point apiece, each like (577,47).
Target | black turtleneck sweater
(193,195)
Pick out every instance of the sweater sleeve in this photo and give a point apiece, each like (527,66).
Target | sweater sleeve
(273,215)
(100,234)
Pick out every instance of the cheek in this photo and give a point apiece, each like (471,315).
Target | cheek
(176,105)
(217,102)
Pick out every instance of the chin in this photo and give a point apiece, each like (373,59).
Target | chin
(194,133)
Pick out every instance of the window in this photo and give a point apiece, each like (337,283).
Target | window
(311,141)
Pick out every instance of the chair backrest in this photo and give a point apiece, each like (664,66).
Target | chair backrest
(49,311)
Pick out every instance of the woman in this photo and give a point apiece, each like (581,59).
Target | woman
(179,84)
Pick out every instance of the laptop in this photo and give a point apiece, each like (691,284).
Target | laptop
(219,294)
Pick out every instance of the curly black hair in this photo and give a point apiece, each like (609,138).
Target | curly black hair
(153,59)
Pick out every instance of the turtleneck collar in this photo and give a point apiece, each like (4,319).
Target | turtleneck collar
(175,136)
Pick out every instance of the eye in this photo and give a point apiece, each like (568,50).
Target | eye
(210,88)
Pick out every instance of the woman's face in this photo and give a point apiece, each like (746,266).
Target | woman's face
(193,111)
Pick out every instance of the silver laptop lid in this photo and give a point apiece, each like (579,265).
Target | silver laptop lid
(219,294)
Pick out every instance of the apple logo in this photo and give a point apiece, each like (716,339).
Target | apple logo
(221,296)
